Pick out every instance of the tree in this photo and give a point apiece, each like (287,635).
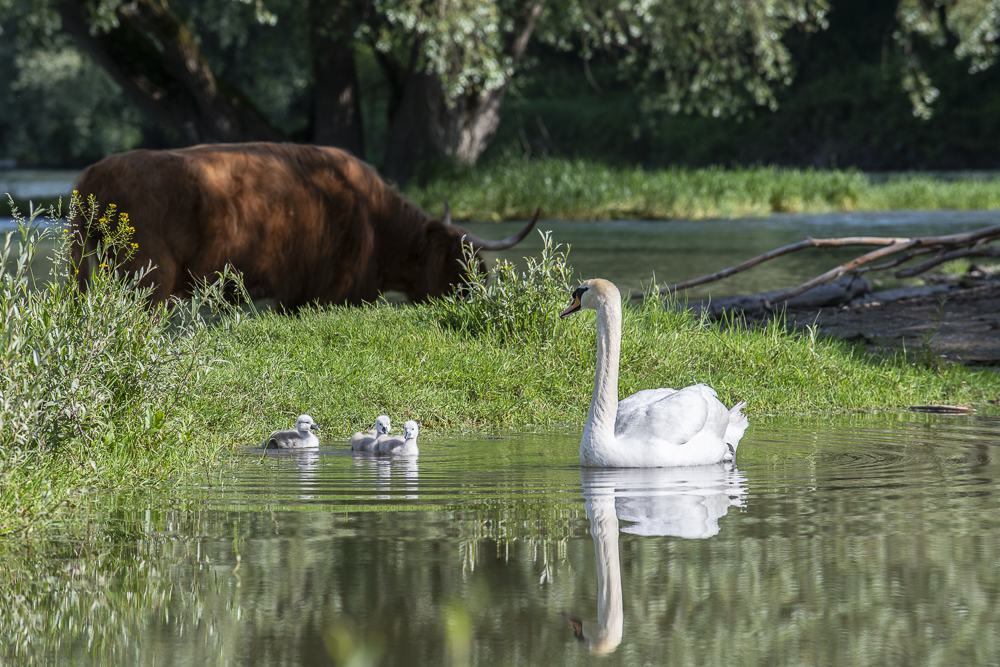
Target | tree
(153,56)
(447,65)
(972,26)
(451,63)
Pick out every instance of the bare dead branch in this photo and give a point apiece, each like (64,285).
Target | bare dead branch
(899,260)
(951,246)
(778,252)
(947,257)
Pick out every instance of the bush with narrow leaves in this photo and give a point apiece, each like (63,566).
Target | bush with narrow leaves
(512,305)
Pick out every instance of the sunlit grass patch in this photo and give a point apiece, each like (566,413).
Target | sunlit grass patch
(345,366)
(587,190)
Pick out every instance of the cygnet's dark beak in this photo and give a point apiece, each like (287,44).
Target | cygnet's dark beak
(314,427)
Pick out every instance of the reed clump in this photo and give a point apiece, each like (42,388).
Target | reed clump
(587,190)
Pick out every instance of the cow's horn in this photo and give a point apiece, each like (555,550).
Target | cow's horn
(503,244)
(446,220)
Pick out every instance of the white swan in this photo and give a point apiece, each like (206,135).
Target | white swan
(682,502)
(401,446)
(365,442)
(654,427)
(300,437)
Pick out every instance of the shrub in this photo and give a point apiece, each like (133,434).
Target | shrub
(98,368)
(512,305)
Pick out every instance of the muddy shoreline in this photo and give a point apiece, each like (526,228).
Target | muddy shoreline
(961,324)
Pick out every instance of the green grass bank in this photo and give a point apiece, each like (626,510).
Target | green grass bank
(101,393)
(585,190)
(511,189)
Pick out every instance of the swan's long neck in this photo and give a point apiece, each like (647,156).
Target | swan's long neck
(604,401)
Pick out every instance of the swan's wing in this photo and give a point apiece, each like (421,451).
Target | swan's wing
(282,439)
(639,402)
(665,414)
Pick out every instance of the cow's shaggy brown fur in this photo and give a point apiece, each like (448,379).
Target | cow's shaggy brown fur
(302,223)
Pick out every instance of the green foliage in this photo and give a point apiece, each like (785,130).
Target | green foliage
(973,22)
(58,106)
(509,305)
(91,380)
(666,45)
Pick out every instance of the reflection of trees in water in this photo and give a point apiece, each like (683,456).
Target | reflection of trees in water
(847,576)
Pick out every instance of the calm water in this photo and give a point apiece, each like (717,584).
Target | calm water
(868,540)
(630,252)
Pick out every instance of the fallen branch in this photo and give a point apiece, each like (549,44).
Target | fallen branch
(785,250)
(952,246)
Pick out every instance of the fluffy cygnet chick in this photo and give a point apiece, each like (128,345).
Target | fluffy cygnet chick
(366,442)
(401,446)
(300,437)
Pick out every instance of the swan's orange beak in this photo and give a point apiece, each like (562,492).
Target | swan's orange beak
(572,307)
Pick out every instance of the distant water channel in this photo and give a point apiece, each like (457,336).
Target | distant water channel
(864,540)
(631,252)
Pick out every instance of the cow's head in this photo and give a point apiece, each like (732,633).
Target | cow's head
(441,264)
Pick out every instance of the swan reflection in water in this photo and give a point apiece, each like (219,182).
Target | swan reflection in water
(307,463)
(386,468)
(682,502)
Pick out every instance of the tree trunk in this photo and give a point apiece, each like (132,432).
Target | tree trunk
(154,58)
(426,123)
(336,100)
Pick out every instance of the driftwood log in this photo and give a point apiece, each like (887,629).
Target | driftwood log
(892,252)
(843,290)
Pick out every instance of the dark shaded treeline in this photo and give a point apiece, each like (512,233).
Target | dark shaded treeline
(846,106)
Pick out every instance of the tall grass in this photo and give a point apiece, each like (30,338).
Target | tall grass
(586,190)
(91,380)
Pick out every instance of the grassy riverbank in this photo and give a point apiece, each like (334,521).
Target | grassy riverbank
(581,190)
(345,367)
(100,393)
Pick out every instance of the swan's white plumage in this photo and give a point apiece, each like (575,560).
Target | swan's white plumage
(367,442)
(300,437)
(654,427)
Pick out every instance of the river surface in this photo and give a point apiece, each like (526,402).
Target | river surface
(631,252)
(859,540)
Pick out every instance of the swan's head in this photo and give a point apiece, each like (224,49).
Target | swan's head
(592,295)
(410,430)
(305,424)
(382,425)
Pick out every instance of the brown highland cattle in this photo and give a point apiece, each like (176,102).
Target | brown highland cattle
(302,223)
